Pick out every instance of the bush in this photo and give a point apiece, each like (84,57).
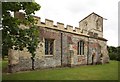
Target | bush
(113,56)
(114,53)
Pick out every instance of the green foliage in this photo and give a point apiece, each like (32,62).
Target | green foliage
(118,52)
(15,37)
(114,52)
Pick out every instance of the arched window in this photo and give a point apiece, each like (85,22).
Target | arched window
(80,48)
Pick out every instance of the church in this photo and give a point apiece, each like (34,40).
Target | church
(62,46)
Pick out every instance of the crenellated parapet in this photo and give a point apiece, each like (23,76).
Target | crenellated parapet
(49,23)
(59,26)
(69,28)
(85,25)
(77,29)
(19,15)
(37,20)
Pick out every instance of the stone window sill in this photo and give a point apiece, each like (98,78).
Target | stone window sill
(48,55)
(81,55)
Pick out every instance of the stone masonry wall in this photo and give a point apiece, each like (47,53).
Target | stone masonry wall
(92,23)
(97,46)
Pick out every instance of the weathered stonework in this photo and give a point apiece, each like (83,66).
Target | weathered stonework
(65,50)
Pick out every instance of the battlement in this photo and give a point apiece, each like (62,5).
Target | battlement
(81,29)
(19,15)
(77,29)
(49,22)
(59,26)
(37,20)
(69,28)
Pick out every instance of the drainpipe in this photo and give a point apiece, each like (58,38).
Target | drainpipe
(61,48)
(88,52)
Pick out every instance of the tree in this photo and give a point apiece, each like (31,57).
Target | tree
(118,52)
(114,53)
(15,37)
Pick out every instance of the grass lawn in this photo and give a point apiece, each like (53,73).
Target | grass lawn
(92,72)
(4,64)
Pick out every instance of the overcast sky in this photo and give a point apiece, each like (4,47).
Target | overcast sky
(72,11)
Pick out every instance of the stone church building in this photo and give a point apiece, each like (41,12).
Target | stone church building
(64,46)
